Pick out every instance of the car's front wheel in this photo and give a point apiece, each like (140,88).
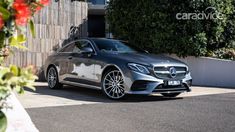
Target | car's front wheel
(170,94)
(113,84)
(52,79)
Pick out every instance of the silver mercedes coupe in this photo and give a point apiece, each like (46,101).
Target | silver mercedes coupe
(116,68)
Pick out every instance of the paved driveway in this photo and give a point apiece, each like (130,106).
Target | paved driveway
(77,109)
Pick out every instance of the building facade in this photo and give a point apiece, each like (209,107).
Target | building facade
(54,24)
(96,18)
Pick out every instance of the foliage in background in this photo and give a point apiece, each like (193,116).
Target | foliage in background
(152,25)
(224,53)
(14,17)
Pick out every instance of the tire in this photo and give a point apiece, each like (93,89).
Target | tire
(52,79)
(170,94)
(113,84)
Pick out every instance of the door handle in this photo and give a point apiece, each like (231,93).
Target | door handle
(70,57)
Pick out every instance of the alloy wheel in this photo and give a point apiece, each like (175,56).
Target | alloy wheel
(113,85)
(52,77)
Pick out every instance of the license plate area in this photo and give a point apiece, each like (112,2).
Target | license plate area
(173,83)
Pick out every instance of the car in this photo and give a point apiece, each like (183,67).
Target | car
(116,68)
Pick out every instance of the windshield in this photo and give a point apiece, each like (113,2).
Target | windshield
(106,45)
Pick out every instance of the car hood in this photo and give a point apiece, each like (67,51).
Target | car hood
(147,59)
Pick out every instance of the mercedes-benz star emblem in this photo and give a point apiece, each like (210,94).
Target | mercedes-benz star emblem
(172,71)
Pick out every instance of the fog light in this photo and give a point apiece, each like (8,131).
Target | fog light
(139,85)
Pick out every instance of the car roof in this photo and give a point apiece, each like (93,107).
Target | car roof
(66,42)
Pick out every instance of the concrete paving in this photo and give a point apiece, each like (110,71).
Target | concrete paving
(45,97)
(207,113)
(74,109)
(18,119)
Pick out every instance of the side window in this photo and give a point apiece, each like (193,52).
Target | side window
(68,48)
(79,45)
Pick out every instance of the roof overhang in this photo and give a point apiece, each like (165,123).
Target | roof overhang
(96,9)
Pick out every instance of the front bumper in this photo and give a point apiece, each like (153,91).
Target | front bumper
(138,83)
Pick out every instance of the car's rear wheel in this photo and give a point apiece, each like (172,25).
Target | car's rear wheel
(52,79)
(170,94)
(113,84)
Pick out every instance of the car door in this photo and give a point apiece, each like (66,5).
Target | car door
(63,60)
(81,67)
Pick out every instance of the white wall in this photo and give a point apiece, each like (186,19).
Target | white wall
(211,72)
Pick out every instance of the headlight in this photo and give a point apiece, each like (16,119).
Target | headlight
(187,70)
(138,68)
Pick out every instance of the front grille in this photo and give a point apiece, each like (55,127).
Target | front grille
(163,89)
(164,72)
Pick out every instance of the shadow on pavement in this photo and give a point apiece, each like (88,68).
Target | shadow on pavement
(92,95)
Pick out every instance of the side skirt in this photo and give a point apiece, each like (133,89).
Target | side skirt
(81,85)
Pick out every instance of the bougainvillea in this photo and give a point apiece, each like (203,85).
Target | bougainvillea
(14,17)
(1,22)
(44,2)
(23,12)
(25,9)
(15,14)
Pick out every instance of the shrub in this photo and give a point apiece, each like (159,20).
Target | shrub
(224,53)
(14,16)
(152,25)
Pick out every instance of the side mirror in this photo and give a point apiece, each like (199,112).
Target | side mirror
(87,50)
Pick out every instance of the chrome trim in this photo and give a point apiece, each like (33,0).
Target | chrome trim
(167,72)
(180,91)
(80,85)
(165,89)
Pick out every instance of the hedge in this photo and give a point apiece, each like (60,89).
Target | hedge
(153,25)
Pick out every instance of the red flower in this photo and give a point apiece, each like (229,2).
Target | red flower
(19,1)
(38,8)
(21,21)
(22,9)
(1,22)
(23,12)
(44,2)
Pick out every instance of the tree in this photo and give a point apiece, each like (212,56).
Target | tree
(155,25)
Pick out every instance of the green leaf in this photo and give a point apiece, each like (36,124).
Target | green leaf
(21,38)
(10,1)
(14,70)
(13,41)
(31,87)
(2,38)
(1,60)
(3,122)
(3,71)
(19,89)
(8,76)
(32,28)
(5,13)
(17,41)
